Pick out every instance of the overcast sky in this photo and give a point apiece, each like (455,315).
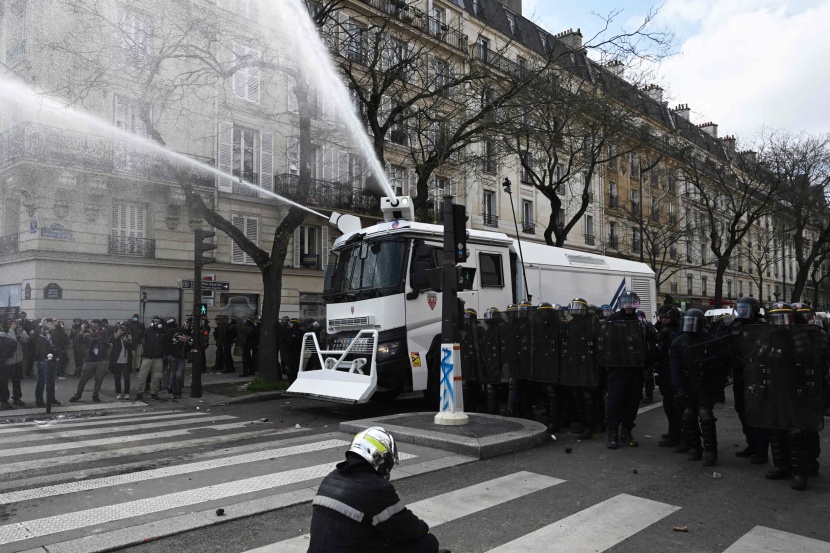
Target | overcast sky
(743,64)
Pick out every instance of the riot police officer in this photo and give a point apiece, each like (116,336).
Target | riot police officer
(585,394)
(747,312)
(519,359)
(492,358)
(695,377)
(546,359)
(471,360)
(668,328)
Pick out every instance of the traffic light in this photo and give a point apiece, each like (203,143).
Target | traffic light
(201,247)
(459,229)
(465,277)
(436,279)
(202,310)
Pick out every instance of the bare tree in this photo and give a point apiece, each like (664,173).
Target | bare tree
(758,252)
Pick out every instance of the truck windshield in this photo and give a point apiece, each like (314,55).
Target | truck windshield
(371,269)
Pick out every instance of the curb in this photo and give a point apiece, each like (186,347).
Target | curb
(255,397)
(530,435)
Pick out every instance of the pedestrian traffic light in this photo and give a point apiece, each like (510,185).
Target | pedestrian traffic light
(202,310)
(465,277)
(459,229)
(202,247)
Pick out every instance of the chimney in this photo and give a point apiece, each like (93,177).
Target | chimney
(513,5)
(709,128)
(729,142)
(572,39)
(654,92)
(616,67)
(750,155)
(682,110)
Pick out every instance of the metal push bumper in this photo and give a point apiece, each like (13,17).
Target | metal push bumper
(347,376)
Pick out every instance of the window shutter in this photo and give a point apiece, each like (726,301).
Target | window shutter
(293,156)
(328,31)
(324,246)
(253,78)
(266,161)
(237,255)
(252,234)
(344,32)
(328,163)
(225,157)
(297,252)
(240,76)
(140,221)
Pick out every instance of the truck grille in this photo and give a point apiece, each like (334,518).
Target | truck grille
(361,345)
(352,321)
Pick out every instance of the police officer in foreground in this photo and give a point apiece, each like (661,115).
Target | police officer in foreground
(747,312)
(695,377)
(357,510)
(668,328)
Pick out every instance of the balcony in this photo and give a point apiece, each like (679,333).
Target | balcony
(9,244)
(529,227)
(498,61)
(590,240)
(491,220)
(310,261)
(401,11)
(132,247)
(331,195)
(252,178)
(44,144)
(526,177)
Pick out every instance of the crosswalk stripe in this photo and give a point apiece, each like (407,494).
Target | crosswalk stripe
(153,425)
(115,440)
(34,464)
(768,540)
(75,408)
(594,529)
(54,424)
(451,505)
(86,485)
(101,515)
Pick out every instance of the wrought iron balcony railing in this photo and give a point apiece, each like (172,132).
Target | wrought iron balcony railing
(613,243)
(9,244)
(491,220)
(401,11)
(132,247)
(529,227)
(332,195)
(589,239)
(89,152)
(498,61)
(252,178)
(490,166)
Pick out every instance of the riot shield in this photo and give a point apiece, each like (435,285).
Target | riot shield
(492,347)
(578,365)
(546,347)
(705,364)
(471,353)
(621,344)
(782,376)
(520,352)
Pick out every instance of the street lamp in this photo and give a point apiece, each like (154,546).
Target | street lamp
(506,185)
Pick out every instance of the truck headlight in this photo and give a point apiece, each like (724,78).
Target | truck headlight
(389,349)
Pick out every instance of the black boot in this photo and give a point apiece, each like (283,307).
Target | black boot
(627,438)
(708,432)
(670,440)
(513,398)
(798,458)
(691,435)
(779,457)
(492,400)
(551,406)
(613,438)
(590,416)
(748,451)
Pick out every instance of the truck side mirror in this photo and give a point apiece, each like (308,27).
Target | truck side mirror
(421,264)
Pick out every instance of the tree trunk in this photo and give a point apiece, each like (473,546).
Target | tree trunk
(268,342)
(723,265)
(798,287)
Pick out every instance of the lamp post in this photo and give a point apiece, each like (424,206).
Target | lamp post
(506,185)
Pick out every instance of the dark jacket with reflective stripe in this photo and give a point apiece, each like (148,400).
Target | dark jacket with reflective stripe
(357,510)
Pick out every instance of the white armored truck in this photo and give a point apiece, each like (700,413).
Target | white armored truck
(381,314)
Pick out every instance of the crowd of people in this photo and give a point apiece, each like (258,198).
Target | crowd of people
(140,358)
(589,368)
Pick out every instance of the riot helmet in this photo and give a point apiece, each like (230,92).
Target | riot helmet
(544,305)
(157,322)
(804,314)
(606,311)
(593,310)
(512,312)
(524,308)
(377,447)
(693,321)
(578,307)
(470,314)
(629,300)
(781,313)
(492,313)
(668,315)
(747,309)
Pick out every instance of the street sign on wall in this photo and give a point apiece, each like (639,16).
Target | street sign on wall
(206,285)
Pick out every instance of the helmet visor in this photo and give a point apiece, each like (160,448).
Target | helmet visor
(743,311)
(781,318)
(629,302)
(693,325)
(578,308)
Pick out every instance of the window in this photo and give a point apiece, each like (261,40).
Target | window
(250,228)
(527,168)
(635,201)
(636,241)
(612,157)
(512,21)
(703,249)
(740,288)
(397,131)
(728,288)
(397,177)
(246,77)
(689,285)
(673,287)
(440,71)
(438,24)
(612,194)
(129,220)
(244,161)
(635,165)
(488,210)
(307,252)
(672,181)
(355,41)
(654,177)
(356,102)
(688,252)
(673,251)
(528,217)
(134,40)
(483,49)
(703,286)
(589,230)
(491,270)
(249,9)
(129,116)
(350,169)
(439,134)
(613,239)
(672,215)
(655,209)
(15,30)
(440,186)
(490,157)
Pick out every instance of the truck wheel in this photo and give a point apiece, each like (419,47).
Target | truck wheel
(387,396)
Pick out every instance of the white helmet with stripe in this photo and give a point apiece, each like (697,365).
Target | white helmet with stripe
(377,446)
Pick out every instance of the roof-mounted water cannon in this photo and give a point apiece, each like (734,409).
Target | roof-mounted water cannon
(395,209)
(345,223)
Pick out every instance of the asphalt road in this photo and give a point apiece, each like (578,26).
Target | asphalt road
(716,512)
